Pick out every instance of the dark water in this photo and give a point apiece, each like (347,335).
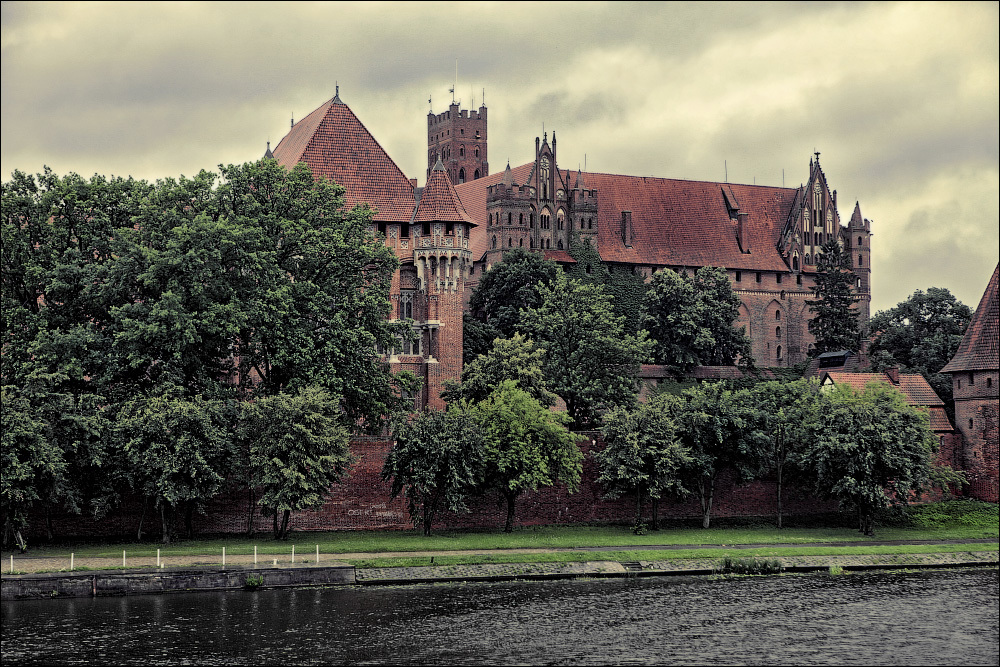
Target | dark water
(924,618)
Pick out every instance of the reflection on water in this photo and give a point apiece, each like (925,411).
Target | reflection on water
(943,617)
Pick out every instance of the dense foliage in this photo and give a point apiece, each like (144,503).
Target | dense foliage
(690,318)
(590,362)
(514,358)
(834,323)
(921,335)
(127,304)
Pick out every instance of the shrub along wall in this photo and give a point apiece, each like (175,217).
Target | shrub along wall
(362,502)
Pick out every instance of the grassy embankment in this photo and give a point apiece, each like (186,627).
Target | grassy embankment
(953,520)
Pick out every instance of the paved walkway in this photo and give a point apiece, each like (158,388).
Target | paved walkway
(598,566)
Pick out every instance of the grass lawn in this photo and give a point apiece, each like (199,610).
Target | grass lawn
(950,520)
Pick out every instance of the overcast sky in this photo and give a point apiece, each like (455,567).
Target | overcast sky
(900,99)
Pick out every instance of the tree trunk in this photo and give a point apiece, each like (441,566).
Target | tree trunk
(779,495)
(48,523)
(284,523)
(511,499)
(427,519)
(656,513)
(165,522)
(706,490)
(142,518)
(638,506)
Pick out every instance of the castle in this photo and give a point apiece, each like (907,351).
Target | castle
(447,233)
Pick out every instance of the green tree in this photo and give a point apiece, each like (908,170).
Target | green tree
(589,361)
(713,423)
(835,322)
(869,449)
(436,462)
(525,446)
(691,320)
(781,423)
(626,286)
(29,460)
(516,359)
(298,449)
(643,453)
(920,335)
(496,303)
(178,451)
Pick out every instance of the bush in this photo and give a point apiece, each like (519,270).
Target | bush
(751,565)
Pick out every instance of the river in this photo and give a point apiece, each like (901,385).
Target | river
(900,618)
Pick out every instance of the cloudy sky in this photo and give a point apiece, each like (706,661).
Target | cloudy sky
(900,99)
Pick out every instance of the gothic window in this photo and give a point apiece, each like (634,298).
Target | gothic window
(509,218)
(510,243)
(795,263)
(560,244)
(778,352)
(777,315)
(461,175)
(860,241)
(476,177)
(860,260)
(782,295)
(531,244)
(583,224)
(494,242)
(520,218)
(520,243)
(531,220)
(477,155)
(972,379)
(406,304)
(807,258)
(461,151)
(590,223)
(777,332)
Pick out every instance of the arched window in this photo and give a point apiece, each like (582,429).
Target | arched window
(520,218)
(509,218)
(795,263)
(860,241)
(861,260)
(494,242)
(477,154)
(783,295)
(477,175)
(531,220)
(531,244)
(520,243)
(510,243)
(583,224)
(777,332)
(560,244)
(590,223)
(461,175)
(777,315)
(778,352)
(461,151)
(807,258)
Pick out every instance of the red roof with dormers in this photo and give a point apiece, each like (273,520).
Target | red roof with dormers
(979,349)
(675,222)
(335,144)
(914,387)
(439,202)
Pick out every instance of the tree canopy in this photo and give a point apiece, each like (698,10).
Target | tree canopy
(590,363)
(834,323)
(691,320)
(503,291)
(921,335)
(516,359)
(525,446)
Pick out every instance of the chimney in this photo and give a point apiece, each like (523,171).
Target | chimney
(893,374)
(743,231)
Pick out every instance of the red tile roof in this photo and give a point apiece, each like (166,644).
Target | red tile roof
(335,144)
(439,202)
(914,388)
(979,348)
(676,222)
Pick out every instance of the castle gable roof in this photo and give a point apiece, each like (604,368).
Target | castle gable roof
(439,202)
(979,349)
(335,144)
(675,222)
(914,387)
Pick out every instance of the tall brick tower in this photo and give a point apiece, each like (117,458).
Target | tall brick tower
(458,137)
(441,254)
(857,242)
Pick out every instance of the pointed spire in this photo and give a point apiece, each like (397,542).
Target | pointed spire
(336,95)
(579,180)
(268,153)
(508,178)
(438,166)
(856,219)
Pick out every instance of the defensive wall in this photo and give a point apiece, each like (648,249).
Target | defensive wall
(362,502)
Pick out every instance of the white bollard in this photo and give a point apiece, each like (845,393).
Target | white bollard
(12,563)
(317,553)
(123,558)
(255,554)
(157,558)
(71,561)
(276,562)
(293,553)
(223,556)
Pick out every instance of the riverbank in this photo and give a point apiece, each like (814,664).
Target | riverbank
(95,577)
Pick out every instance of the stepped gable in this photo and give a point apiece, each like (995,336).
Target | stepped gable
(439,202)
(979,349)
(335,144)
(675,222)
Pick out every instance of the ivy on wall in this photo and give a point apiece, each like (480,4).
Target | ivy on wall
(626,288)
